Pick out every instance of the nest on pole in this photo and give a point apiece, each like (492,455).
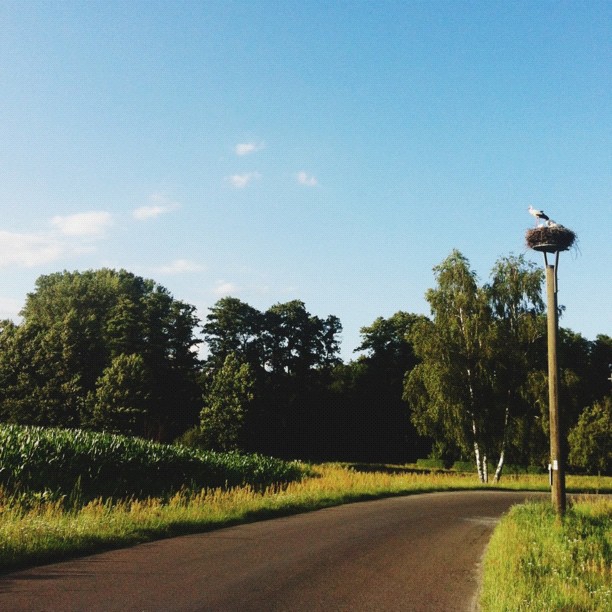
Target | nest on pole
(550,238)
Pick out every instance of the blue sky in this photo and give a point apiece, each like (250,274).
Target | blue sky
(332,152)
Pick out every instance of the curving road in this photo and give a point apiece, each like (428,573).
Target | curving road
(412,553)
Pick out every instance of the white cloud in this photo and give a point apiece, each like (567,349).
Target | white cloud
(180,266)
(240,181)
(148,212)
(245,148)
(158,205)
(69,235)
(93,223)
(28,250)
(223,288)
(306,179)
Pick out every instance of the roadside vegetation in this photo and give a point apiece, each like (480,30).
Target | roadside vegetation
(42,526)
(536,562)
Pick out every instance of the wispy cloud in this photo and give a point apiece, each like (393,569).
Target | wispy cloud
(29,250)
(246,148)
(240,181)
(304,178)
(67,235)
(223,288)
(158,205)
(180,266)
(93,223)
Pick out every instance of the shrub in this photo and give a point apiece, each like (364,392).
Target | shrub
(590,440)
(439,464)
(464,466)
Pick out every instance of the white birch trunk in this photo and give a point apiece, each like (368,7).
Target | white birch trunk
(500,465)
(485,469)
(478,464)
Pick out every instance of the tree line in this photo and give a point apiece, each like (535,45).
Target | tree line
(109,350)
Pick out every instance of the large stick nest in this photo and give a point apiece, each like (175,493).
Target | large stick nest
(550,238)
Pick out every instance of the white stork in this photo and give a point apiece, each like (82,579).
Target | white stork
(538,214)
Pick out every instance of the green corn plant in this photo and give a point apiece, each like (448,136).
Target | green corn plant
(48,459)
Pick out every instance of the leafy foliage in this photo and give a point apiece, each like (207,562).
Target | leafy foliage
(112,351)
(373,419)
(233,326)
(591,439)
(450,389)
(73,359)
(225,404)
(284,339)
(98,464)
(122,395)
(476,354)
(290,353)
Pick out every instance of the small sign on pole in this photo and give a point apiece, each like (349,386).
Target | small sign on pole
(550,476)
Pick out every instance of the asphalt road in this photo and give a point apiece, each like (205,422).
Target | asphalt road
(420,552)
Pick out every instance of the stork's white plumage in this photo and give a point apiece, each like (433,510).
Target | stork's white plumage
(538,214)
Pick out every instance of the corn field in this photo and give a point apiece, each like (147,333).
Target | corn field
(92,464)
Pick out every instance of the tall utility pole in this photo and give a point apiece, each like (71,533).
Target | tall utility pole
(557,465)
(553,238)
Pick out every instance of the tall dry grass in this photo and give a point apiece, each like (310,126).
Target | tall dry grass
(38,529)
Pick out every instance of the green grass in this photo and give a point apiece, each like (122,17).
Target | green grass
(536,562)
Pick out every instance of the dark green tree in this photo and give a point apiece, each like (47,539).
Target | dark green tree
(75,324)
(600,368)
(300,351)
(378,418)
(590,440)
(36,388)
(226,403)
(290,353)
(297,342)
(234,327)
(122,396)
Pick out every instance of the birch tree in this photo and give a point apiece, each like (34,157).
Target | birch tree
(476,355)
(450,390)
(515,297)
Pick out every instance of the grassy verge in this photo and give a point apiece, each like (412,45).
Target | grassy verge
(535,562)
(36,529)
